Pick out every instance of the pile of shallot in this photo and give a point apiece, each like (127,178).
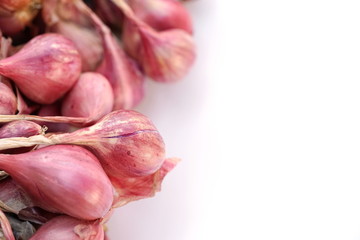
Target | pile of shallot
(72,150)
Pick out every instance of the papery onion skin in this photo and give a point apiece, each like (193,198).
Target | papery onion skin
(13,196)
(68,228)
(62,179)
(91,97)
(135,188)
(45,68)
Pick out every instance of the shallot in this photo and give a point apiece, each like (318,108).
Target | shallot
(91,97)
(62,179)
(7,100)
(162,14)
(53,109)
(126,143)
(15,15)
(20,128)
(125,77)
(68,228)
(64,17)
(45,68)
(165,56)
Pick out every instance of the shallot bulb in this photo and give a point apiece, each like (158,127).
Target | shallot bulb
(62,179)
(123,73)
(15,15)
(8,101)
(126,142)
(165,56)
(45,68)
(68,228)
(91,97)
(162,14)
(20,128)
(110,60)
(64,17)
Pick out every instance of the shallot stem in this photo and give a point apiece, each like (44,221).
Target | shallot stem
(54,119)
(15,142)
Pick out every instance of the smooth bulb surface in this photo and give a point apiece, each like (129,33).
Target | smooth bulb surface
(91,97)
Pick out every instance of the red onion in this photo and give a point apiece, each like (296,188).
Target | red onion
(5,227)
(45,68)
(7,100)
(91,97)
(162,14)
(126,142)
(15,15)
(64,17)
(135,188)
(165,56)
(68,228)
(62,179)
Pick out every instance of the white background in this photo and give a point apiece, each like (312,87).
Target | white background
(267,125)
